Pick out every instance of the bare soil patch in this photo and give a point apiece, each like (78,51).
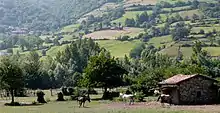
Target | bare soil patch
(157,105)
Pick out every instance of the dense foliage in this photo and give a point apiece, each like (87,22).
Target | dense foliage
(43,14)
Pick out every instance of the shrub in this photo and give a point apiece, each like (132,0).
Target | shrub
(60,97)
(201,31)
(118,99)
(139,96)
(40,97)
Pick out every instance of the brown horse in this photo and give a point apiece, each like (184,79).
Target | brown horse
(82,100)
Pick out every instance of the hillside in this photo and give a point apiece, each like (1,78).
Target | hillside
(43,15)
(116,25)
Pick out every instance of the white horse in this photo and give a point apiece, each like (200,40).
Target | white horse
(165,98)
(156,92)
(129,97)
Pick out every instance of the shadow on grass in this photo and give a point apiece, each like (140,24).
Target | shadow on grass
(23,104)
(85,107)
(97,99)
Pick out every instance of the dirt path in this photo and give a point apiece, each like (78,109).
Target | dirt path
(156,105)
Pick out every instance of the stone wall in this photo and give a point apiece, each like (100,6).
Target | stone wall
(197,90)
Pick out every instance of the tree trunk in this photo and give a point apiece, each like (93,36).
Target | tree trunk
(105,95)
(51,92)
(12,96)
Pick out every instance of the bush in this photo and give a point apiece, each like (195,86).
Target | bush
(40,97)
(123,38)
(118,99)
(60,97)
(139,96)
(201,31)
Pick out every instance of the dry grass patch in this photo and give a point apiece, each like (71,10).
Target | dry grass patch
(112,34)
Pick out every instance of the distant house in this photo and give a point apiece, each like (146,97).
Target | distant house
(190,89)
(19,31)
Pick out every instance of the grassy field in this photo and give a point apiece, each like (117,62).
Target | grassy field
(160,41)
(130,15)
(188,13)
(113,34)
(54,50)
(94,107)
(187,51)
(176,8)
(117,48)
(206,29)
(70,28)
(100,106)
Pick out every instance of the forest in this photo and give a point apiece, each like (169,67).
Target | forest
(43,15)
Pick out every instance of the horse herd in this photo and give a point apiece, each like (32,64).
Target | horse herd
(163,98)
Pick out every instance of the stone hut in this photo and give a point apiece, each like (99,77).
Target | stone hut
(191,89)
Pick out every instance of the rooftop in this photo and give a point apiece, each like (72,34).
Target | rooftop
(180,77)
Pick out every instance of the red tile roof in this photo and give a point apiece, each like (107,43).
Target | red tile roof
(179,78)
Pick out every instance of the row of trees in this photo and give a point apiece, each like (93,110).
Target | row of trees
(26,42)
(85,64)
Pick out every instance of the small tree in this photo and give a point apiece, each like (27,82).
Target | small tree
(201,31)
(103,71)
(11,76)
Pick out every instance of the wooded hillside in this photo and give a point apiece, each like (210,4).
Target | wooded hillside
(43,14)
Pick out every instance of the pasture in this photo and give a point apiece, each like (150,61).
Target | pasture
(160,41)
(118,48)
(129,15)
(101,106)
(70,28)
(113,34)
(187,51)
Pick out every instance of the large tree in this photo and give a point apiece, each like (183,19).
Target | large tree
(31,66)
(11,76)
(180,32)
(103,71)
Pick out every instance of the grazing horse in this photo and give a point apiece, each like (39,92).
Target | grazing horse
(128,96)
(82,100)
(165,99)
